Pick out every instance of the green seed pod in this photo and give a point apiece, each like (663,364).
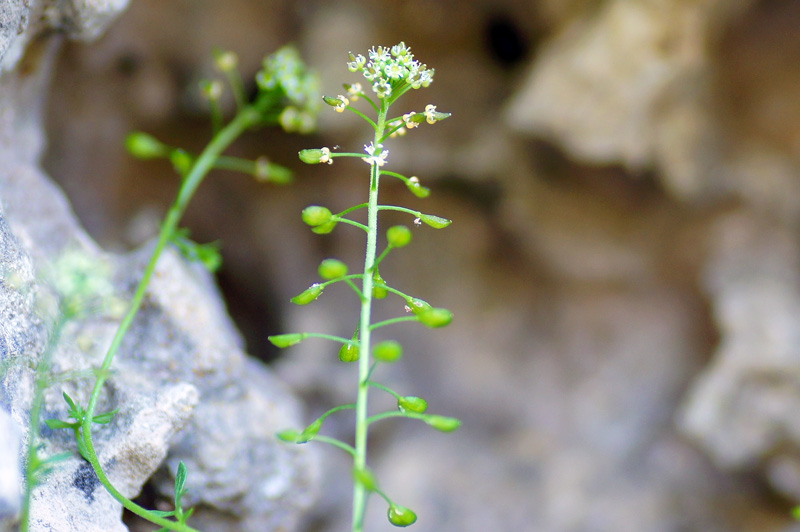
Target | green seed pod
(410,403)
(436,317)
(417,305)
(443,423)
(325,228)
(436,222)
(308,295)
(330,100)
(289,435)
(388,351)
(378,292)
(366,478)
(398,236)
(401,516)
(144,146)
(309,432)
(286,340)
(310,156)
(348,353)
(332,269)
(417,189)
(315,215)
(181,160)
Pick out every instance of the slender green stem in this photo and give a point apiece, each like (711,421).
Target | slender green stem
(394,413)
(350,222)
(41,383)
(385,389)
(392,321)
(364,370)
(336,443)
(243,120)
(365,117)
(401,209)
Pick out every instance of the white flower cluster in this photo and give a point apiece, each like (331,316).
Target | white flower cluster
(390,68)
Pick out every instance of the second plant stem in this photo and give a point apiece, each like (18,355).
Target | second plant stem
(245,119)
(364,363)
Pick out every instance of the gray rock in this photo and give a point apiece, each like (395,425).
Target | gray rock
(743,408)
(10,480)
(184,388)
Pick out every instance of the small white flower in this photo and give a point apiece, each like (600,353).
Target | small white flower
(343,103)
(356,63)
(379,159)
(430,113)
(379,54)
(326,156)
(382,88)
(354,91)
(395,71)
(400,49)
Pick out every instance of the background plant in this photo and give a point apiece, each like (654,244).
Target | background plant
(391,72)
(287,95)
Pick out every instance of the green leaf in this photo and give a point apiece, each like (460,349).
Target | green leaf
(161,513)
(180,481)
(59,424)
(70,402)
(105,418)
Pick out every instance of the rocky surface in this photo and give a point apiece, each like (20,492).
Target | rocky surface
(184,388)
(623,264)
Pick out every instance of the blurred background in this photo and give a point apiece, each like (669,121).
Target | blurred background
(624,262)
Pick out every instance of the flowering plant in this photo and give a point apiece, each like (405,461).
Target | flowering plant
(391,73)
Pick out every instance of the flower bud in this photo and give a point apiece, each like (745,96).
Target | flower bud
(436,317)
(144,146)
(332,269)
(401,516)
(316,215)
(308,295)
(286,340)
(388,351)
(398,236)
(226,61)
(443,423)
(211,89)
(348,353)
(410,403)
(181,160)
(417,305)
(311,156)
(366,478)
(435,221)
